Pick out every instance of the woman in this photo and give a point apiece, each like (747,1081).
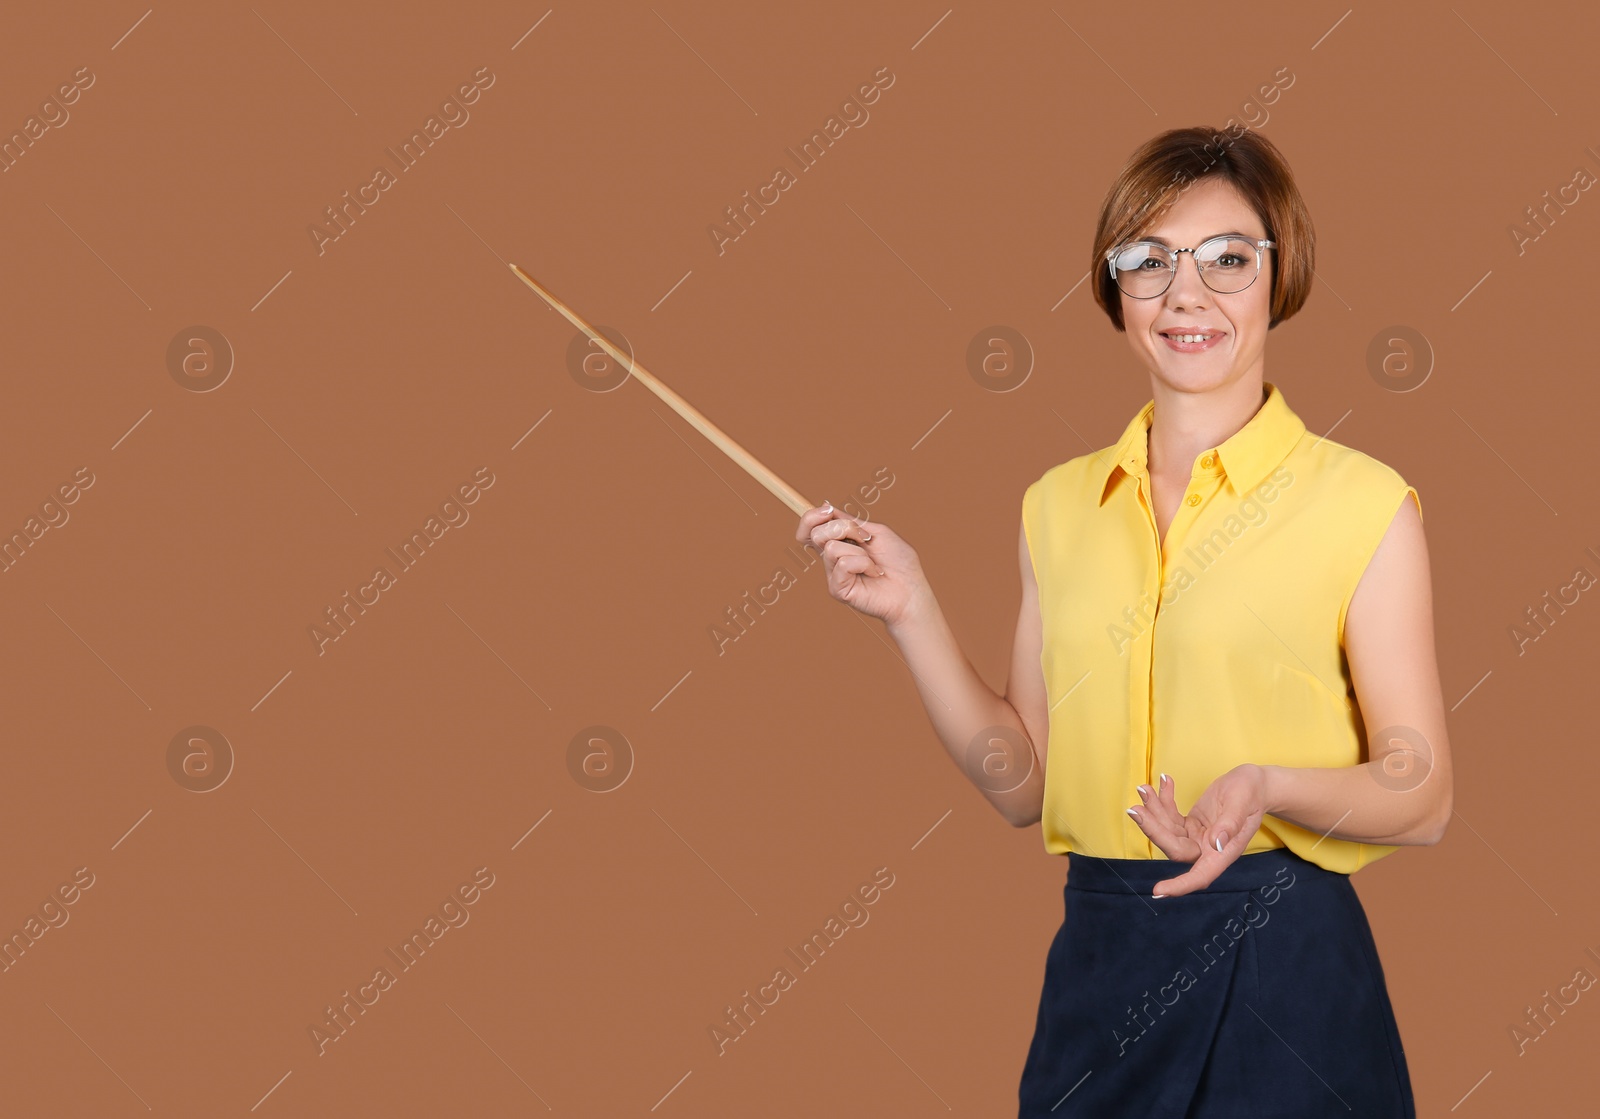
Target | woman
(1225,652)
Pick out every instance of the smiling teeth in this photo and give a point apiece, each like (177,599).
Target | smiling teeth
(1189,337)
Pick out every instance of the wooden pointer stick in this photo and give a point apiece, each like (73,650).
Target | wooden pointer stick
(752,465)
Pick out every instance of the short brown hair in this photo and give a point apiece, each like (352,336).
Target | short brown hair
(1164,167)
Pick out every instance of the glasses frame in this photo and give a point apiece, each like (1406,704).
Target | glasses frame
(1114,252)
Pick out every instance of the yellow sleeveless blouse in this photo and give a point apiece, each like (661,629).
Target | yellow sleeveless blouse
(1221,645)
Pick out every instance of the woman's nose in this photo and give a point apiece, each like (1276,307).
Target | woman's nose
(1187,286)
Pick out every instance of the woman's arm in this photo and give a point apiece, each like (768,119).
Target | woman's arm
(998,742)
(1403,795)
(961,706)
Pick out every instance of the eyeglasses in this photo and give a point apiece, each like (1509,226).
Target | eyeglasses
(1144,269)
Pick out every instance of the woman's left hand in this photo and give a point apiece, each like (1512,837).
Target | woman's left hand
(1215,832)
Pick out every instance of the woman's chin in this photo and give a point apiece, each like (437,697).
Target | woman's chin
(1183,374)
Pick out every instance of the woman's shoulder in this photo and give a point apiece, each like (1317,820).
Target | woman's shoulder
(1085,469)
(1346,468)
(1338,477)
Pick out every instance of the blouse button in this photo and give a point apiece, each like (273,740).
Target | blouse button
(1206,461)
(1194,499)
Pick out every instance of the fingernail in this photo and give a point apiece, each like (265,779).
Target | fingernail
(1217,842)
(867,537)
(827,506)
(1134,812)
(1158,895)
(1165,779)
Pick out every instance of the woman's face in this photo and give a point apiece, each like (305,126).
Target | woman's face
(1239,319)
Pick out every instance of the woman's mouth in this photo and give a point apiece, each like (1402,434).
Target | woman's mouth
(1193,341)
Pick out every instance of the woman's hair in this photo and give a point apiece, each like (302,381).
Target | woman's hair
(1158,173)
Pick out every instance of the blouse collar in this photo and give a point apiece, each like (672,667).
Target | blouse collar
(1246,456)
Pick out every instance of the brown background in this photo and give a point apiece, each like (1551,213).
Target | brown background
(770,780)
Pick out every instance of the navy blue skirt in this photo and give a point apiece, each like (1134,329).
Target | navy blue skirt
(1259,996)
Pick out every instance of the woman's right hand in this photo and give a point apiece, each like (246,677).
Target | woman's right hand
(869,567)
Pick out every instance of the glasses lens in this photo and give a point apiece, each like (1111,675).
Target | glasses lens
(1227,264)
(1144,268)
